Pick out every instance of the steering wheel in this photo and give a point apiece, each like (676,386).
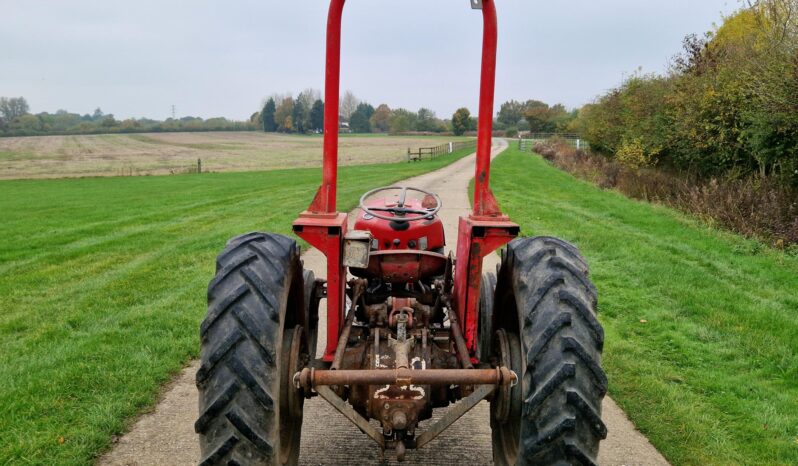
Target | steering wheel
(400,211)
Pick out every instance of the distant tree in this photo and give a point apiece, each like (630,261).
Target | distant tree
(109,121)
(305,100)
(283,115)
(461,121)
(545,119)
(473,124)
(11,108)
(26,124)
(131,124)
(511,113)
(299,115)
(98,114)
(255,119)
(560,118)
(537,114)
(360,121)
(403,121)
(427,120)
(317,116)
(381,119)
(267,116)
(349,104)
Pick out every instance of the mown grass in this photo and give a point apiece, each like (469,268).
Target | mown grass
(702,325)
(102,289)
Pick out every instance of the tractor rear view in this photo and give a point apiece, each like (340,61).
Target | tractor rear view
(409,327)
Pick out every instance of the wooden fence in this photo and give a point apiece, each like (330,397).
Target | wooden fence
(528,143)
(436,151)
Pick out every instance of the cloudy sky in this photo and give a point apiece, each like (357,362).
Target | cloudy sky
(221,58)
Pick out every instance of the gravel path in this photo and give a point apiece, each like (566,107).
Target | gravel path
(166,436)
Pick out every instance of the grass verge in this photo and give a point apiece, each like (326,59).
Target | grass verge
(102,289)
(702,325)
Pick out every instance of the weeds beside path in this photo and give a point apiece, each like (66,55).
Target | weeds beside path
(702,330)
(755,207)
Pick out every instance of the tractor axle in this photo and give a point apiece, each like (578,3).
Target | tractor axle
(310,377)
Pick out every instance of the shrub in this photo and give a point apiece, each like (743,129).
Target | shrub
(728,107)
(759,207)
(633,154)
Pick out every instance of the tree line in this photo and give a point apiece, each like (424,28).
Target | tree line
(305,114)
(534,116)
(16,120)
(727,107)
(284,113)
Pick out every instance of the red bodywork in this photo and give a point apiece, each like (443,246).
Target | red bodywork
(481,233)
(403,235)
(403,251)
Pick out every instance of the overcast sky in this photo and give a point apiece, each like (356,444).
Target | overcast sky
(221,58)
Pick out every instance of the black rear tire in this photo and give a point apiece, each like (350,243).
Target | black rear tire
(545,302)
(249,411)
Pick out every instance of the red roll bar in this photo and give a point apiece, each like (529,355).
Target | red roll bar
(484,203)
(332,89)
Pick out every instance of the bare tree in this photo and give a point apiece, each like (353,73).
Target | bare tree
(778,18)
(349,104)
(11,108)
(303,106)
(309,96)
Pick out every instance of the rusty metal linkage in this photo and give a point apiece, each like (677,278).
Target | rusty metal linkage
(453,414)
(457,334)
(358,287)
(352,415)
(310,378)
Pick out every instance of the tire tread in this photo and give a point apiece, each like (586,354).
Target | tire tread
(238,376)
(561,338)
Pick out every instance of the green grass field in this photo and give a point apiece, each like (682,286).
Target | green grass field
(102,289)
(702,326)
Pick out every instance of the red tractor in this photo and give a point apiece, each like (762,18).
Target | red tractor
(412,330)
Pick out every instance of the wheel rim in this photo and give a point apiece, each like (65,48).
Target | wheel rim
(311,314)
(505,409)
(485,320)
(291,400)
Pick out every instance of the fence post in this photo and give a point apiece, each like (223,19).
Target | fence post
(199,165)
